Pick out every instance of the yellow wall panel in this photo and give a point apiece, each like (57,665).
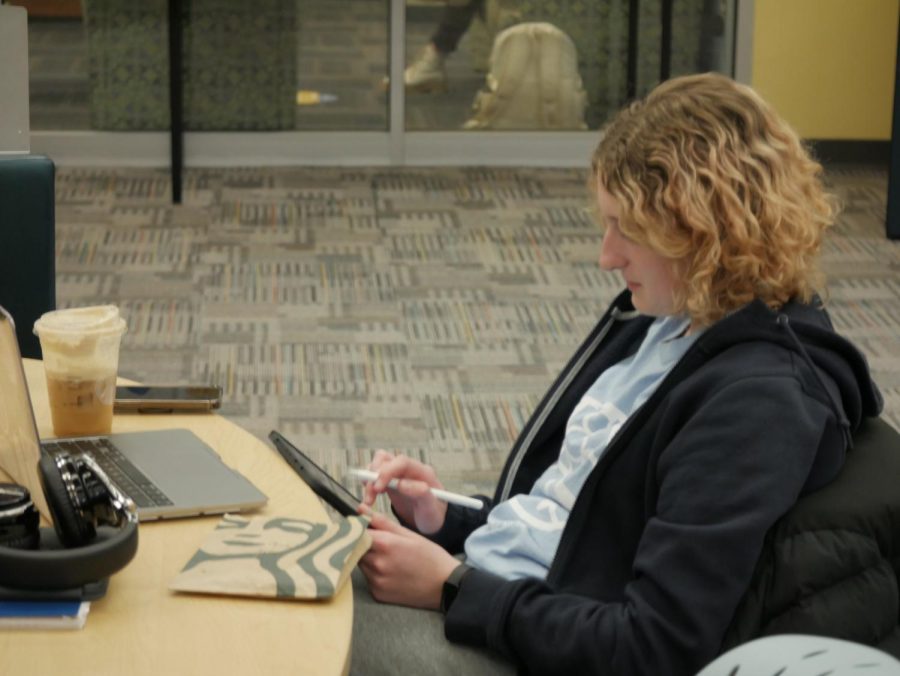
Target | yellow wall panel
(828,65)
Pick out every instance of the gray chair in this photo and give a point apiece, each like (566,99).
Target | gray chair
(27,243)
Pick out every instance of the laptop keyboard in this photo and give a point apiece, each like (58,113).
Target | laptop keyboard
(129,479)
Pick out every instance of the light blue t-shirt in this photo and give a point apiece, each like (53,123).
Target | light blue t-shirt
(522,533)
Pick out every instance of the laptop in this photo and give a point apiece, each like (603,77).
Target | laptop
(168,473)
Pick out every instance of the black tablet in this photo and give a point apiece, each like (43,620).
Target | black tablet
(316,478)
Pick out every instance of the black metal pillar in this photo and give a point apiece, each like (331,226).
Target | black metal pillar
(176,115)
(631,65)
(665,41)
(892,226)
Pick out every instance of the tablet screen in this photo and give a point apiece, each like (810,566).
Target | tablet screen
(324,485)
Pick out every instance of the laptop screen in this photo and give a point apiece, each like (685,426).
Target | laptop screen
(19,442)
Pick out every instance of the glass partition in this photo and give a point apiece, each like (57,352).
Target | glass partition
(58,90)
(278,65)
(540,65)
(322,65)
(342,63)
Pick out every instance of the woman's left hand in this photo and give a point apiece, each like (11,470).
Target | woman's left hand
(403,567)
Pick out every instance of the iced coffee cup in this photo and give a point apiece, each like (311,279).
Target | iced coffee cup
(80,348)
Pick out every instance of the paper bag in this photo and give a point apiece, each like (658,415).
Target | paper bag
(276,557)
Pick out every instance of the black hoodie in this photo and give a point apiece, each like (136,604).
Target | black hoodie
(662,540)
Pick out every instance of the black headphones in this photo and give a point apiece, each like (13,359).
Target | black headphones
(95,529)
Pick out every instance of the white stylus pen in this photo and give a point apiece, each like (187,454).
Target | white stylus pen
(446,496)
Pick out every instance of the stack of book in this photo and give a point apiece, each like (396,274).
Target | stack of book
(43,614)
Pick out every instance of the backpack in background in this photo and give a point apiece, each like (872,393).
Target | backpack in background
(533,82)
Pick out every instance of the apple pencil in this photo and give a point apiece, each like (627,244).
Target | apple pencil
(446,496)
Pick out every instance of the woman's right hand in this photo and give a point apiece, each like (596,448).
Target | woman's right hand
(411,499)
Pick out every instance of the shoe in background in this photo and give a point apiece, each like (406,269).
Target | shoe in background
(426,74)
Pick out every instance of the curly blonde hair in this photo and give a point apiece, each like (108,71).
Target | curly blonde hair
(709,176)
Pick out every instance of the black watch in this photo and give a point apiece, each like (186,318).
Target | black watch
(451,586)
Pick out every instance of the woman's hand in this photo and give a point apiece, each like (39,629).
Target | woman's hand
(403,567)
(411,499)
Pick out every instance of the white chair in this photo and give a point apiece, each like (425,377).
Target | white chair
(802,655)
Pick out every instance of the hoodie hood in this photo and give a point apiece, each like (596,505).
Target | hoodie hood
(838,367)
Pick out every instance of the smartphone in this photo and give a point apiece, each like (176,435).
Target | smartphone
(166,398)
(322,484)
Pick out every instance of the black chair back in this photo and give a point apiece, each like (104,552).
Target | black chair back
(27,243)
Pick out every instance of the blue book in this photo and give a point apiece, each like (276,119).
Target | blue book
(43,614)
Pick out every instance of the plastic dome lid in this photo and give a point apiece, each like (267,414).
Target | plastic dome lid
(94,319)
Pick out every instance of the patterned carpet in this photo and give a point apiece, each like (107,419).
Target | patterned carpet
(423,311)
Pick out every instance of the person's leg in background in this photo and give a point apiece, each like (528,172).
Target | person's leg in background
(427,72)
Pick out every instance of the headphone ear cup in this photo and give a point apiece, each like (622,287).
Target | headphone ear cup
(19,518)
(29,541)
(73,529)
(78,553)
(53,567)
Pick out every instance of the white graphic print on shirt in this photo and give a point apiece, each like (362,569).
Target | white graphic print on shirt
(521,535)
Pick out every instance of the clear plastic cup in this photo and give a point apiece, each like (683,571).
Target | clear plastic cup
(80,347)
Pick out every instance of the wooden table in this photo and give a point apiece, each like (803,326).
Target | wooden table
(140,627)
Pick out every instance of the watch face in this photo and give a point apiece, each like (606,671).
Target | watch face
(448,595)
(451,586)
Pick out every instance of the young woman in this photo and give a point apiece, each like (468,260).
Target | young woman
(712,394)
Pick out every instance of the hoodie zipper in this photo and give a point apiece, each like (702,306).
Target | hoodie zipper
(624,432)
(562,384)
